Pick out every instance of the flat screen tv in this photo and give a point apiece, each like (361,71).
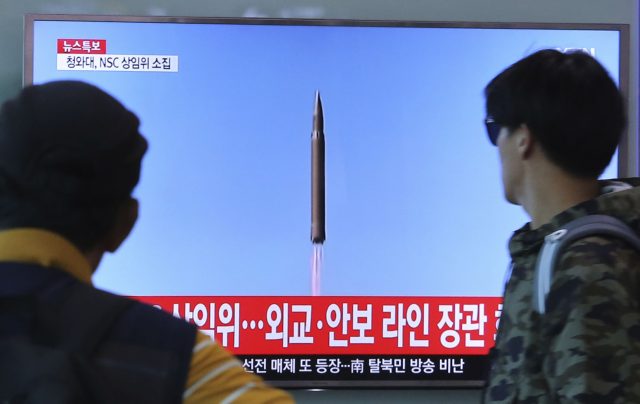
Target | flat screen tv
(400,284)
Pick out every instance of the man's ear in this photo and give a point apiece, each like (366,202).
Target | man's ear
(125,220)
(524,141)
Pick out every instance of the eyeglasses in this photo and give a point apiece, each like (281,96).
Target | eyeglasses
(493,130)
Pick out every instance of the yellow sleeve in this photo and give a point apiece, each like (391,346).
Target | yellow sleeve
(216,376)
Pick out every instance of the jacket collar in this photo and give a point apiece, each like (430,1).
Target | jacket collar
(44,248)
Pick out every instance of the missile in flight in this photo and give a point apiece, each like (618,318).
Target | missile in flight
(318,234)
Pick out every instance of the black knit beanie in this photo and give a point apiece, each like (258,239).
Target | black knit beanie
(71,138)
(65,147)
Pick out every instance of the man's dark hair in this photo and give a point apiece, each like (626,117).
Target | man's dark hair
(569,103)
(70,157)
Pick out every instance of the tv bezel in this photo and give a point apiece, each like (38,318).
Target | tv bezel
(623,151)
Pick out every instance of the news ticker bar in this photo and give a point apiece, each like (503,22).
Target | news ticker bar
(367,368)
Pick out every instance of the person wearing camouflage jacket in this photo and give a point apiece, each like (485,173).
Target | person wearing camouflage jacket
(556,119)
(586,348)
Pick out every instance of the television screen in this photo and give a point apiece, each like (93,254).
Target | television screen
(363,247)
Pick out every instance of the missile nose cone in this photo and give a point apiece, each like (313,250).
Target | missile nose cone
(318,116)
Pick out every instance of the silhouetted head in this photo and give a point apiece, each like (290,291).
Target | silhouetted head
(70,156)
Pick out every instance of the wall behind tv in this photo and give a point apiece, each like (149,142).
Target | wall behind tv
(566,11)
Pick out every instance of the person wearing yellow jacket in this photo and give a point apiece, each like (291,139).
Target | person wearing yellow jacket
(70,158)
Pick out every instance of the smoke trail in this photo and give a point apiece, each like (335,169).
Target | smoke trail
(316,268)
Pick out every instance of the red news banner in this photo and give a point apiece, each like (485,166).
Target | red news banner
(275,325)
(82,46)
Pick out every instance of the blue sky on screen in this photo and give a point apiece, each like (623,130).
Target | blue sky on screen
(414,200)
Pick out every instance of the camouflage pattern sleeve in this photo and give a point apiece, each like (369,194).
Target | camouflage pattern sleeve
(592,324)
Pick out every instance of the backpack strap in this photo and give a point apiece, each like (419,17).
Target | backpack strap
(85,315)
(49,339)
(66,314)
(554,243)
(127,352)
